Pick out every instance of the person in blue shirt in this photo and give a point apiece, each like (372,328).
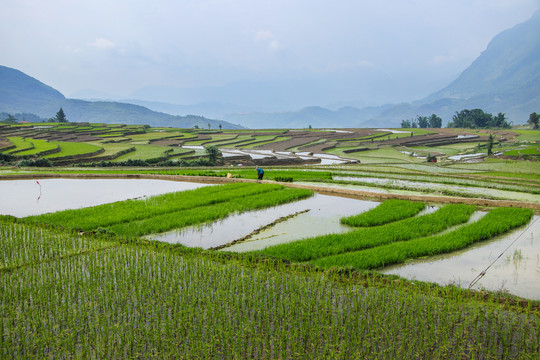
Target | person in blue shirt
(260,173)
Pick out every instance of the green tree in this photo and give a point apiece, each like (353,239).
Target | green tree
(10,119)
(208,126)
(220,126)
(213,153)
(499,121)
(405,124)
(490,145)
(534,118)
(61,116)
(435,121)
(423,121)
(477,118)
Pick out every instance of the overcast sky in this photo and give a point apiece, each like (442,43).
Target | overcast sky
(118,46)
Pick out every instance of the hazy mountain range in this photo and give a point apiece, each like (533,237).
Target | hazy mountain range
(504,78)
(22,94)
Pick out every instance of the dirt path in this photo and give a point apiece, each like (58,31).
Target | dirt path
(355,194)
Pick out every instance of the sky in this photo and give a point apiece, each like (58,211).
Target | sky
(370,51)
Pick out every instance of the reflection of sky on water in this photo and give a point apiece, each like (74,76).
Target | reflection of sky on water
(326,159)
(323,218)
(20,197)
(503,194)
(516,271)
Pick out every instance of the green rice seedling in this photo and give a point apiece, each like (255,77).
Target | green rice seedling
(21,144)
(133,302)
(207,213)
(364,238)
(22,244)
(40,146)
(104,215)
(388,211)
(72,149)
(496,222)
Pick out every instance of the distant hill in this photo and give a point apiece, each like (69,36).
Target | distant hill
(504,78)
(317,117)
(20,93)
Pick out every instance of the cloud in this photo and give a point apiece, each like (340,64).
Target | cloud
(102,44)
(267,37)
(263,35)
(275,46)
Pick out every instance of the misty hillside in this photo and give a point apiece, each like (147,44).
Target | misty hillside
(317,117)
(20,93)
(510,64)
(504,78)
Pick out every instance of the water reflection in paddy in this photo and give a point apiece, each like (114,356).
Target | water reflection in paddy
(473,190)
(28,197)
(516,271)
(322,218)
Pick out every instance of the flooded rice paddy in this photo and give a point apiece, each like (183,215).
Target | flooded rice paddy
(517,270)
(471,190)
(322,217)
(33,197)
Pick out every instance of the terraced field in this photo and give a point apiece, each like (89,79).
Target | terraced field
(368,146)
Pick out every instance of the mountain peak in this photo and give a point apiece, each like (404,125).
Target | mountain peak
(510,61)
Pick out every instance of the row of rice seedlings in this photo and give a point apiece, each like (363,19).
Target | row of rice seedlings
(136,303)
(91,218)
(22,244)
(496,222)
(388,211)
(204,214)
(40,146)
(21,144)
(72,149)
(364,238)
(298,175)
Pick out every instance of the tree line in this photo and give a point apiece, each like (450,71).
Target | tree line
(423,122)
(468,119)
(60,117)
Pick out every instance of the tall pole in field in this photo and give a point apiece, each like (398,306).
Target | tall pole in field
(39,197)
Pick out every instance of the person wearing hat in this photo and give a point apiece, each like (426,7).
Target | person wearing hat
(260,173)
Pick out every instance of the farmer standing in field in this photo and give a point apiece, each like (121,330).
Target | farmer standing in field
(260,173)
